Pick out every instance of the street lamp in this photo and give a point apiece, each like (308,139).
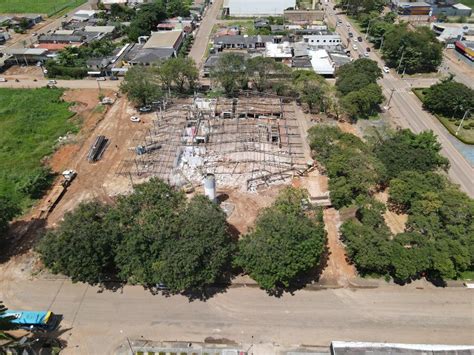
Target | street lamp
(462,120)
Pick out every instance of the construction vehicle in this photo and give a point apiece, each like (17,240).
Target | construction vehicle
(55,194)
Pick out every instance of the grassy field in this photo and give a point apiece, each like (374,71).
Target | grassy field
(464,135)
(31,120)
(37,6)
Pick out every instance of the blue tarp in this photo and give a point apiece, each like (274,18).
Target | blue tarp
(28,317)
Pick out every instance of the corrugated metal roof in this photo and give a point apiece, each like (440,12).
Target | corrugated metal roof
(99,29)
(164,39)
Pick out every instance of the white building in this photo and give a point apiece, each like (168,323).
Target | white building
(321,62)
(322,40)
(250,8)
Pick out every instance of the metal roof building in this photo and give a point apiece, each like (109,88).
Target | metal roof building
(250,8)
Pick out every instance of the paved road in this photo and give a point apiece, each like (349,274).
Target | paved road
(100,321)
(68,84)
(202,38)
(43,27)
(406,108)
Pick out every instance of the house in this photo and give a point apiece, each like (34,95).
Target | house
(321,62)
(322,40)
(55,38)
(26,55)
(109,31)
(142,56)
(160,46)
(246,8)
(171,40)
(451,32)
(278,51)
(245,42)
(260,23)
(187,24)
(83,15)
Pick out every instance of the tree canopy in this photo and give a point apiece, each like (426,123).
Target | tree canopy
(285,242)
(438,240)
(231,73)
(151,236)
(357,84)
(449,98)
(141,86)
(82,247)
(413,51)
(407,151)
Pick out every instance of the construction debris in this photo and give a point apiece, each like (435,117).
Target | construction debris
(246,142)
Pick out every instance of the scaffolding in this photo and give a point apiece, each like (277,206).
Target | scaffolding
(246,142)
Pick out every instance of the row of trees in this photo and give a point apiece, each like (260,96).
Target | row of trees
(357,85)
(233,73)
(144,85)
(438,238)
(156,236)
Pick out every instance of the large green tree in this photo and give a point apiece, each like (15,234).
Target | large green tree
(141,86)
(231,73)
(449,98)
(82,247)
(148,220)
(364,102)
(405,151)
(146,19)
(179,73)
(200,253)
(410,186)
(413,51)
(285,243)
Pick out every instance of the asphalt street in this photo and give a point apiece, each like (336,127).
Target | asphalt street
(99,322)
(405,108)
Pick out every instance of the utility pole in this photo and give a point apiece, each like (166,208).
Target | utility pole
(390,98)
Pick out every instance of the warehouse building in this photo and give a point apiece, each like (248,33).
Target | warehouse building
(248,8)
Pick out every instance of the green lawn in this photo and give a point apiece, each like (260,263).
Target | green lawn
(31,120)
(37,6)
(465,134)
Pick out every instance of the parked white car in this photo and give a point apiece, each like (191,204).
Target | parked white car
(3,80)
(135,119)
(386,70)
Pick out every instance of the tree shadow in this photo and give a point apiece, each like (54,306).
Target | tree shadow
(222,197)
(21,237)
(303,279)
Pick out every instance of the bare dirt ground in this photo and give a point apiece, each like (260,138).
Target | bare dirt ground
(99,180)
(338,270)
(26,72)
(247,205)
(395,221)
